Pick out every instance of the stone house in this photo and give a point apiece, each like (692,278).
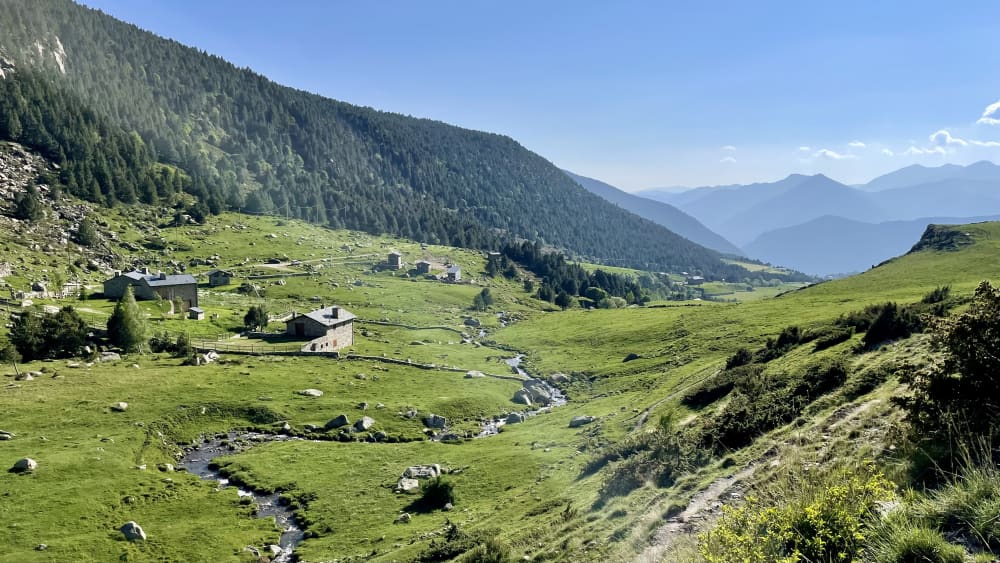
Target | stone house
(454,274)
(148,286)
(196,314)
(423,267)
(395,260)
(330,328)
(219,277)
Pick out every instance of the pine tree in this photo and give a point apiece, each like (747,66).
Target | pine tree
(26,205)
(86,233)
(126,327)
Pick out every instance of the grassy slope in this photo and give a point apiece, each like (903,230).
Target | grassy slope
(512,482)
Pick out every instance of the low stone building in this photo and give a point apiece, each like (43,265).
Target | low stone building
(423,266)
(454,274)
(330,329)
(147,286)
(196,314)
(395,260)
(219,277)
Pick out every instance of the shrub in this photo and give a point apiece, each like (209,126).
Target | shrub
(892,322)
(492,550)
(456,542)
(937,295)
(960,395)
(822,518)
(720,385)
(741,357)
(832,338)
(436,493)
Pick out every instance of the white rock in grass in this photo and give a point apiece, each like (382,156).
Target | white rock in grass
(133,531)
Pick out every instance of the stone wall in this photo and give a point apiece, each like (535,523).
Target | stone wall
(335,339)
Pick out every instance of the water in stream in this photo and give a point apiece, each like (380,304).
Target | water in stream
(198,460)
(492,426)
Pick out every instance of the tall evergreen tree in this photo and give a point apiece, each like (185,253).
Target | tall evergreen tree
(27,206)
(126,327)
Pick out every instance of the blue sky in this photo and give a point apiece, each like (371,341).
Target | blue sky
(640,94)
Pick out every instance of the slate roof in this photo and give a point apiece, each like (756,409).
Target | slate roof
(182,279)
(154,280)
(325,316)
(454,270)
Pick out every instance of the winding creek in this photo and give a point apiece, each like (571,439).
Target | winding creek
(198,460)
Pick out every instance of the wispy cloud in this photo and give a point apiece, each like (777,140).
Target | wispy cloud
(833,155)
(805,149)
(729,148)
(917,151)
(991,115)
(728,160)
(856,145)
(943,138)
(888,152)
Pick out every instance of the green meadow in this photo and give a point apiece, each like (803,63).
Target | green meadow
(627,368)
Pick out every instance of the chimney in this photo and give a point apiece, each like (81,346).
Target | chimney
(334,311)
(145,271)
(162,275)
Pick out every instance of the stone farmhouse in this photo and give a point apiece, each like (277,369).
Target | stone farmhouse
(330,329)
(395,260)
(454,274)
(219,277)
(148,286)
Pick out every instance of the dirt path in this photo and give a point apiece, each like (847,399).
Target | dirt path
(700,508)
(642,417)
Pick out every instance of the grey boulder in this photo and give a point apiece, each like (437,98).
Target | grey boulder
(25,465)
(133,531)
(364,423)
(338,422)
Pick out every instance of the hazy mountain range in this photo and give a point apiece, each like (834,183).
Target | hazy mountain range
(813,223)
(820,226)
(658,212)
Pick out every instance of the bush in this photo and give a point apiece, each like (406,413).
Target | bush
(35,335)
(960,395)
(436,493)
(822,518)
(832,338)
(891,323)
(720,385)
(479,546)
(490,551)
(742,357)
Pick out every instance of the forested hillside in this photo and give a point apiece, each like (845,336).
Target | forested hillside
(165,119)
